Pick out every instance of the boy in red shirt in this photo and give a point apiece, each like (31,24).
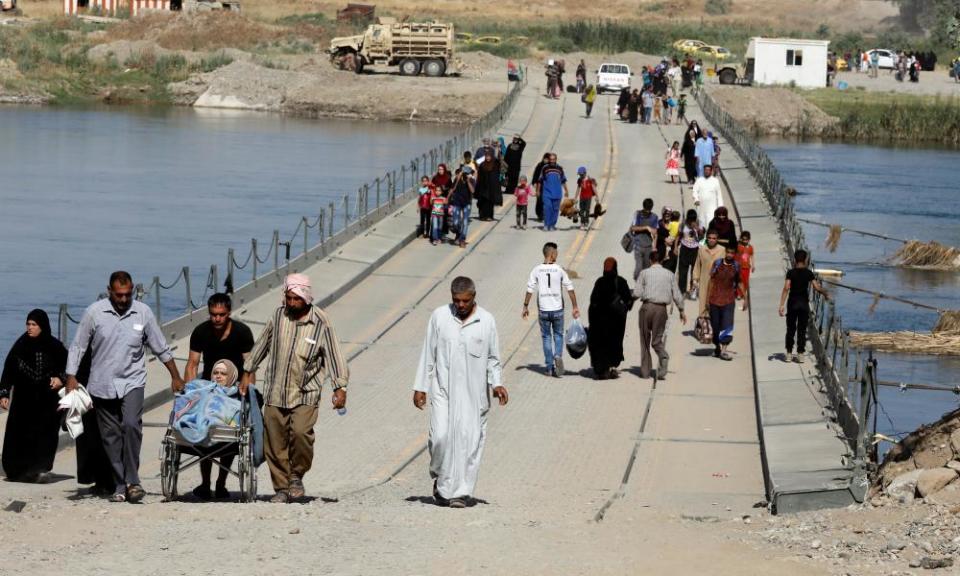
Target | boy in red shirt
(522,192)
(586,190)
(745,259)
(438,213)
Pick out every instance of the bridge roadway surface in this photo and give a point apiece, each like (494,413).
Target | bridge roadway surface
(579,476)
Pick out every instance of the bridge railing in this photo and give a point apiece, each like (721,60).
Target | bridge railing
(333,224)
(851,394)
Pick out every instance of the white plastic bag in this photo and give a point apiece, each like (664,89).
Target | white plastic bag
(576,339)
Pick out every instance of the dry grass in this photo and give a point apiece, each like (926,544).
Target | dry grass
(198,32)
(908,342)
(948,323)
(833,237)
(839,15)
(933,255)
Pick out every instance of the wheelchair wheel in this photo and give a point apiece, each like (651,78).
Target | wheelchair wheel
(169,469)
(247,472)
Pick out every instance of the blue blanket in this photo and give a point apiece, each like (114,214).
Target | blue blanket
(203,404)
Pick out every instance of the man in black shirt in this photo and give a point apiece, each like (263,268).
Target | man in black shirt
(795,303)
(219,338)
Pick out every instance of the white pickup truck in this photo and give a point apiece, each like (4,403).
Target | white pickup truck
(613,77)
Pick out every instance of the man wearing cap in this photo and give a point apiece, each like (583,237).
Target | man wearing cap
(552,187)
(303,350)
(586,190)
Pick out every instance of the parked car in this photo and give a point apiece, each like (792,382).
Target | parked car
(887,58)
(713,52)
(491,40)
(613,77)
(688,46)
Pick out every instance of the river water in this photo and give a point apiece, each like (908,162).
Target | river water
(903,192)
(84,192)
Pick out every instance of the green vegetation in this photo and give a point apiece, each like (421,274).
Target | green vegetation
(717,7)
(505,49)
(52,58)
(880,116)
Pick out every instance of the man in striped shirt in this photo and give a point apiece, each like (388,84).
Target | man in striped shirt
(303,348)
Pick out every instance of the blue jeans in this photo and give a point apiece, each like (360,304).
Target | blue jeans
(551,330)
(461,219)
(551,212)
(436,224)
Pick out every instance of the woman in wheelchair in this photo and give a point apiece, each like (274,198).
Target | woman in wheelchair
(225,374)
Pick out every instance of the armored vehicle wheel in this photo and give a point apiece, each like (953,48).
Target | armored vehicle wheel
(728,76)
(409,67)
(434,67)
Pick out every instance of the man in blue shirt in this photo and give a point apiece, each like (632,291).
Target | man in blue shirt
(117,329)
(552,187)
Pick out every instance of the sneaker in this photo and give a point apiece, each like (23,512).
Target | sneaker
(458,503)
(558,365)
(135,493)
(281,497)
(553,373)
(295,490)
(788,356)
(798,358)
(613,374)
(726,356)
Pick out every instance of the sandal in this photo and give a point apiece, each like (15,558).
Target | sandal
(280,497)
(118,497)
(135,493)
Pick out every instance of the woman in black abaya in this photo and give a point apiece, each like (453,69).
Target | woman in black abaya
(32,374)
(610,301)
(688,152)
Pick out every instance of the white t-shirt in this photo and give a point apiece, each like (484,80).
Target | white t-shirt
(549,281)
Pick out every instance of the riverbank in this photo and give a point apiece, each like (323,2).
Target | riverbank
(850,115)
(224,60)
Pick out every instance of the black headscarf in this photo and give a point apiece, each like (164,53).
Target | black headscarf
(39,358)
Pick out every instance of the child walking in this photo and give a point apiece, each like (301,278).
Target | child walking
(523,192)
(586,190)
(682,109)
(657,106)
(424,203)
(795,304)
(438,212)
(673,162)
(745,259)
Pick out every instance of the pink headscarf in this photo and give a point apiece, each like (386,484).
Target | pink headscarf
(299,284)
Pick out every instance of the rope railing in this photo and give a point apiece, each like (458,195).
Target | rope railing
(334,224)
(830,342)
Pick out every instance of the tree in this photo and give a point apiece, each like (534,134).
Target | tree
(939,18)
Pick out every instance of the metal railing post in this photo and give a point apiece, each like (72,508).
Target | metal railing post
(377,182)
(230,260)
(332,210)
(62,323)
(156,310)
(306,238)
(253,248)
(276,250)
(346,211)
(215,277)
(186,281)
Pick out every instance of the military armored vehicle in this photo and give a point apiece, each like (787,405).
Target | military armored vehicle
(415,47)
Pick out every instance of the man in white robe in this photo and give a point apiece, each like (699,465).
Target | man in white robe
(707,196)
(459,370)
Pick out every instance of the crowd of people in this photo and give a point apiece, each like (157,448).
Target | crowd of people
(678,257)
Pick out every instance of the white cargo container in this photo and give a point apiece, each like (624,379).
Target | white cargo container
(787,61)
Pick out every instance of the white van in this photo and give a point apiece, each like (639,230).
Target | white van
(613,77)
